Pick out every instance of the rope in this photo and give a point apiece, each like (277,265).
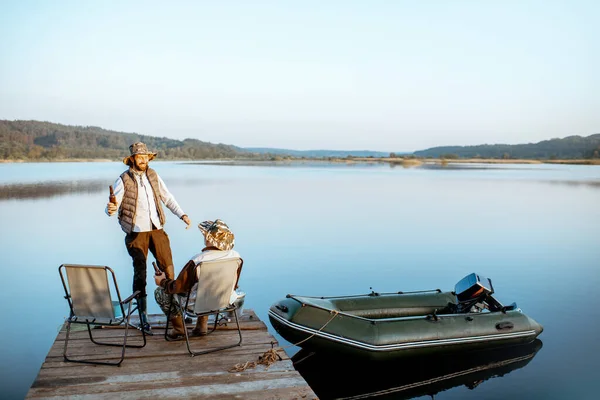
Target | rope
(271,356)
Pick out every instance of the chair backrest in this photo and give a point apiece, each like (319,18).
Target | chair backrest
(216,281)
(90,291)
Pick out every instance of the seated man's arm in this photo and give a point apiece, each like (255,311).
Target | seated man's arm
(184,282)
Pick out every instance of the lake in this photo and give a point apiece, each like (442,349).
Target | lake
(329,229)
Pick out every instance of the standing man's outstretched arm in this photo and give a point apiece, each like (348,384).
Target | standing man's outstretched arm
(171,203)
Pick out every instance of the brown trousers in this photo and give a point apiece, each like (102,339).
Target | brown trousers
(138,244)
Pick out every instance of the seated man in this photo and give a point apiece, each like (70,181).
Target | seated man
(219,242)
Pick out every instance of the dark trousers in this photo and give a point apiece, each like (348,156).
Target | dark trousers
(138,244)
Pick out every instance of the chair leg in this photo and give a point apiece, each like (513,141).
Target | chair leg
(124,345)
(185,331)
(67,341)
(118,363)
(127,325)
(214,326)
(167,324)
(197,353)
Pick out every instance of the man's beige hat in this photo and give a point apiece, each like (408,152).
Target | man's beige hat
(138,148)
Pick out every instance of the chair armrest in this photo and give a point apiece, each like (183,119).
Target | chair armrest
(133,296)
(239,272)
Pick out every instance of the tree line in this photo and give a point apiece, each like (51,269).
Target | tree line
(38,140)
(571,147)
(47,141)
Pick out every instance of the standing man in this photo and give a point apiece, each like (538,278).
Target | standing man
(138,193)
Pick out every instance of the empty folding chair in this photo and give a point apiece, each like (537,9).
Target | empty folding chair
(88,293)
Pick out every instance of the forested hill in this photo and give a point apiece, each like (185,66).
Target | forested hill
(36,140)
(571,147)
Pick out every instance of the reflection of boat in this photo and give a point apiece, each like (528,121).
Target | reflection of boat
(332,377)
(383,326)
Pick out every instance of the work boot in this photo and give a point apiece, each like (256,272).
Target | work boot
(178,331)
(144,324)
(201,328)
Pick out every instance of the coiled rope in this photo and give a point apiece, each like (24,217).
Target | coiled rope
(270,356)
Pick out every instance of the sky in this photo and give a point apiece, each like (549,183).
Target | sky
(348,75)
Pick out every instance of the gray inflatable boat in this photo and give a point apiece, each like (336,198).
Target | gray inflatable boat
(389,325)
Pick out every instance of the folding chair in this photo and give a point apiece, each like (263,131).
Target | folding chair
(216,281)
(88,293)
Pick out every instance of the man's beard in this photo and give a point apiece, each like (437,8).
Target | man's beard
(139,167)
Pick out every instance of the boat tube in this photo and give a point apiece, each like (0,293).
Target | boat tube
(389,325)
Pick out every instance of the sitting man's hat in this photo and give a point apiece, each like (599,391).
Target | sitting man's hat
(138,148)
(217,234)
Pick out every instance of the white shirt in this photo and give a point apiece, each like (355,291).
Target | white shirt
(146,213)
(212,255)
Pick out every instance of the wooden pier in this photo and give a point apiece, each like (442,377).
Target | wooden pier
(165,369)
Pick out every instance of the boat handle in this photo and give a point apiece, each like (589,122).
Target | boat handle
(281,307)
(504,325)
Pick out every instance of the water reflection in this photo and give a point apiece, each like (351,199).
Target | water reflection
(408,378)
(342,163)
(37,190)
(593,184)
(471,167)
(49,189)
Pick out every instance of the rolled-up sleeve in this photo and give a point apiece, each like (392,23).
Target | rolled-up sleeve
(168,199)
(184,282)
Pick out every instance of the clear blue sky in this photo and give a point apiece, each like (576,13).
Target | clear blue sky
(379,75)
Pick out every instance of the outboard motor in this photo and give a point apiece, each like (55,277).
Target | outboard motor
(474,293)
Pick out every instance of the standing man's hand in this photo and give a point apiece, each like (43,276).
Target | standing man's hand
(187,220)
(111,208)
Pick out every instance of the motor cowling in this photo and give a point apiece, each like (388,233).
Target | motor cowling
(475,289)
(472,287)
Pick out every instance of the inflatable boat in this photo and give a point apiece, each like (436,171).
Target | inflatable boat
(389,325)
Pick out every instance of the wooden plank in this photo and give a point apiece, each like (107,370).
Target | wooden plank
(281,388)
(160,347)
(248,321)
(165,369)
(136,334)
(167,365)
(237,354)
(151,381)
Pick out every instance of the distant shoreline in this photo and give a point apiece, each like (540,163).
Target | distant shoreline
(398,161)
(417,161)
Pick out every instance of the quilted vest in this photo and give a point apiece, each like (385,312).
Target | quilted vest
(127,209)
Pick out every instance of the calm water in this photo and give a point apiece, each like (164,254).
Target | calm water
(317,229)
